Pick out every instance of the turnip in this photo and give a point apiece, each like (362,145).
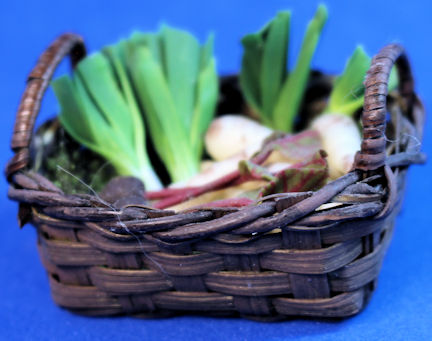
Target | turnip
(341,139)
(231,135)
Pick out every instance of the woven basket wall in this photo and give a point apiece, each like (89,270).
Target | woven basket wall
(269,261)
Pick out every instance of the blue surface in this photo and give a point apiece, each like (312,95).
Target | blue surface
(401,308)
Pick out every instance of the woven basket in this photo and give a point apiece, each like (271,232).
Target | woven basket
(269,261)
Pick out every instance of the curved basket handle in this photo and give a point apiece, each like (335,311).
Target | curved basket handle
(373,154)
(37,83)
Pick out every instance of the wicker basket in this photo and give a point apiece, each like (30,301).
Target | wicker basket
(269,261)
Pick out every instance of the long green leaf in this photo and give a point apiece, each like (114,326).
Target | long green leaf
(207,52)
(72,113)
(347,95)
(292,92)
(90,131)
(273,67)
(152,41)
(105,136)
(166,80)
(206,99)
(162,114)
(116,54)
(96,73)
(182,61)
(250,72)
(349,87)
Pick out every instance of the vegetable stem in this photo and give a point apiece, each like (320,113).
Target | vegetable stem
(292,91)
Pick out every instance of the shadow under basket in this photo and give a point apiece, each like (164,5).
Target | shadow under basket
(277,259)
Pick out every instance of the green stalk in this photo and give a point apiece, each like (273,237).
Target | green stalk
(347,95)
(166,126)
(293,89)
(165,79)
(96,112)
(176,83)
(274,60)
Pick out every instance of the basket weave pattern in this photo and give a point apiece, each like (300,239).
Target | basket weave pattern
(280,258)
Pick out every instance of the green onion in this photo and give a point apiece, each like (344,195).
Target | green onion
(293,89)
(164,79)
(177,85)
(96,113)
(271,92)
(347,95)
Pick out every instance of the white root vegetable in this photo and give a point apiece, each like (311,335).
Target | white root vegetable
(232,138)
(229,135)
(341,140)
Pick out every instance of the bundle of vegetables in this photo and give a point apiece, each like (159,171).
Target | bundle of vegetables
(171,82)
(166,80)
(274,94)
(252,179)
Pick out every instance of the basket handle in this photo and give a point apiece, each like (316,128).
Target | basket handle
(373,154)
(36,85)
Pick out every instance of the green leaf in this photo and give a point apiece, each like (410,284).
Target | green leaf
(347,95)
(165,79)
(116,54)
(273,67)
(182,61)
(91,131)
(293,89)
(72,113)
(107,140)
(349,87)
(150,40)
(250,72)
(162,115)
(393,80)
(207,52)
(206,99)
(96,73)
(178,92)
(109,131)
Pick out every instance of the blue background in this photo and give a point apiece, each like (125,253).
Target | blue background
(401,308)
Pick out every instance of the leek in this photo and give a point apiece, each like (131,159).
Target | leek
(347,95)
(177,85)
(272,92)
(95,112)
(165,82)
